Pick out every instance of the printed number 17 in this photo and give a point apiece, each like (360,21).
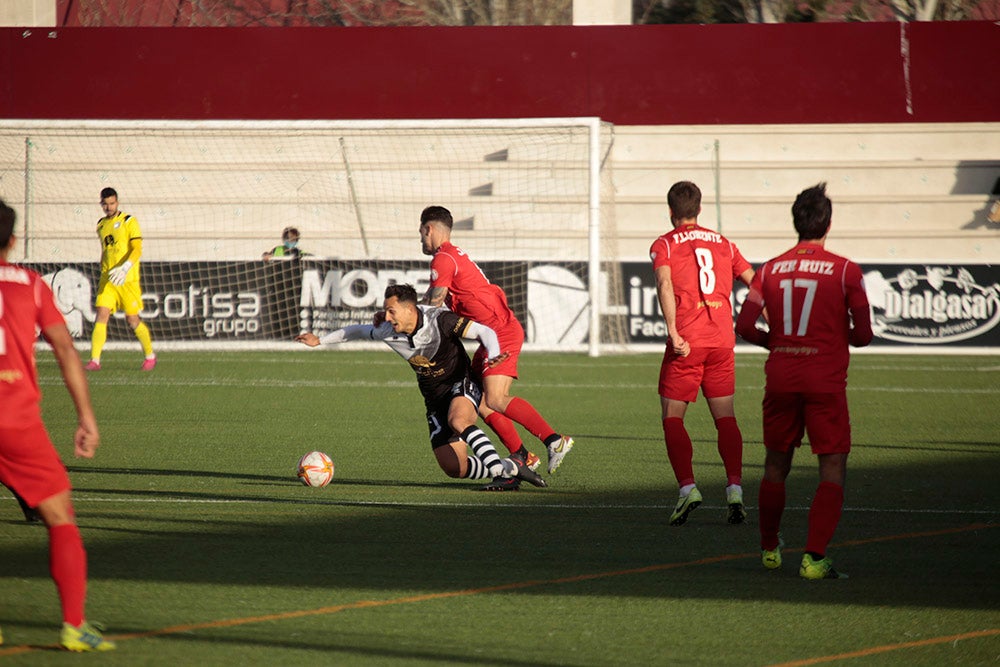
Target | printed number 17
(787,286)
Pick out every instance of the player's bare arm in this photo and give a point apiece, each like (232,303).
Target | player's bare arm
(435,296)
(86,439)
(668,304)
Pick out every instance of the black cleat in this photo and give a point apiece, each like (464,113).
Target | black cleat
(527,474)
(503,484)
(530,459)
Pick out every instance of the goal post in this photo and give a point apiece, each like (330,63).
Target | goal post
(532,199)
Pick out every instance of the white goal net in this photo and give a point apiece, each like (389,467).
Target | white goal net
(532,202)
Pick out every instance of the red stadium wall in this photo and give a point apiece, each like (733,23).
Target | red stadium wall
(630,75)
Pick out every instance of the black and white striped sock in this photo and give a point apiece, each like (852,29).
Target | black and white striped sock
(476,469)
(483,450)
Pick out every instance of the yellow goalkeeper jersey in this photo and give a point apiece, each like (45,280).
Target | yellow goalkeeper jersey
(116,234)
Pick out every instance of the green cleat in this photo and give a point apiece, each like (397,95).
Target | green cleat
(771,559)
(685,505)
(84,638)
(734,498)
(818,569)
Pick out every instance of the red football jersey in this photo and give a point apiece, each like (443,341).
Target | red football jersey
(26,306)
(470,293)
(812,296)
(703,265)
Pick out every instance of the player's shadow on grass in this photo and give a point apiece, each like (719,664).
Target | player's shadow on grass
(962,447)
(321,641)
(166,472)
(247,478)
(897,528)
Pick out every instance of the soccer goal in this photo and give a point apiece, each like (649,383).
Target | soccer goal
(532,202)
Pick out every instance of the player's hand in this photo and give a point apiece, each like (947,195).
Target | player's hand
(497,360)
(378,318)
(681,346)
(117,275)
(85,440)
(310,339)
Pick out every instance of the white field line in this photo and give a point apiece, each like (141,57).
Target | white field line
(80,497)
(572,362)
(274,383)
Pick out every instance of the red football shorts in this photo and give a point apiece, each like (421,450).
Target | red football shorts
(511,340)
(713,369)
(823,416)
(30,465)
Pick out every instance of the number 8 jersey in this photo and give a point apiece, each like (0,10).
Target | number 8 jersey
(703,265)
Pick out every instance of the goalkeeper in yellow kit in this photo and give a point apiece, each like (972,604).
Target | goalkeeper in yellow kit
(121,248)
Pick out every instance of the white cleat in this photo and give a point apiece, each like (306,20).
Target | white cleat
(558,451)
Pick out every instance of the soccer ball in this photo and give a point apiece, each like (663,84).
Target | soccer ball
(315,469)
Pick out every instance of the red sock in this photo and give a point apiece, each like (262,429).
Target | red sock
(770,507)
(524,414)
(731,449)
(824,515)
(68,567)
(679,449)
(504,428)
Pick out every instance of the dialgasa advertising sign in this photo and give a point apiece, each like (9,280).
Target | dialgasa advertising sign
(932,304)
(943,304)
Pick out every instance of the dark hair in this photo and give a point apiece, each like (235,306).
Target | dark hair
(811,213)
(684,200)
(402,292)
(288,232)
(109,192)
(436,214)
(7,218)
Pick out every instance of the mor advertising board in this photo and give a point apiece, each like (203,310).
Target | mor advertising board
(913,305)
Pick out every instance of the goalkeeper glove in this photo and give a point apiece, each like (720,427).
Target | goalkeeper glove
(117,274)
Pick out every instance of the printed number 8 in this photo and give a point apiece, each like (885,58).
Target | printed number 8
(706,275)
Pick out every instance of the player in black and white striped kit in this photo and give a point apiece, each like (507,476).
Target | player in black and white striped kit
(431,340)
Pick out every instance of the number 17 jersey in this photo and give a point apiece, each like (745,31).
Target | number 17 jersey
(809,295)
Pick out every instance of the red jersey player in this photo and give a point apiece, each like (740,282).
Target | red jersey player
(29,463)
(695,269)
(816,306)
(459,283)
